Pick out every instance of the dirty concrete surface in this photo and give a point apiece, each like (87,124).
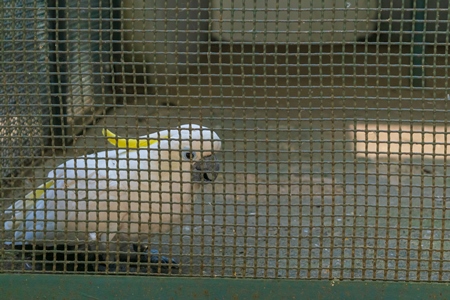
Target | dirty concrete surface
(296,197)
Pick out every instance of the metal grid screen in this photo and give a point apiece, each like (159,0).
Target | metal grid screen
(244,139)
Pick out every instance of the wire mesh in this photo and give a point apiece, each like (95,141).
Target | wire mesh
(332,146)
(23,56)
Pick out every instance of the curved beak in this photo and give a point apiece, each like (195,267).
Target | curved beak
(205,170)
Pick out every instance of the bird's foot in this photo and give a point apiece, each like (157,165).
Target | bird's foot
(159,263)
(156,258)
(140,264)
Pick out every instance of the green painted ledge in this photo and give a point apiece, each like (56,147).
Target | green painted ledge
(21,286)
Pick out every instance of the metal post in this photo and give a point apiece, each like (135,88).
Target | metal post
(418,44)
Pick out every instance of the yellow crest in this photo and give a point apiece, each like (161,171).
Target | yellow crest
(128,143)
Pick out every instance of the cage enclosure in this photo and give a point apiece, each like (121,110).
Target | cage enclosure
(187,143)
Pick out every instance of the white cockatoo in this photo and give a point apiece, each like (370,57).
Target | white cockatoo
(118,197)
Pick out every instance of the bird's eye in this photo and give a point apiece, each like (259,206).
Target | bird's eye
(188,155)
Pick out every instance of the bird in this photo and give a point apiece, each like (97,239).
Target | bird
(112,199)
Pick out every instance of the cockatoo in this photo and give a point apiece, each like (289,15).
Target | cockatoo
(119,197)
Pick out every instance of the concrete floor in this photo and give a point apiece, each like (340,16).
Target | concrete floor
(307,189)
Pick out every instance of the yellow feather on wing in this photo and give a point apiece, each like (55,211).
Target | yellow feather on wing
(128,143)
(21,206)
(36,194)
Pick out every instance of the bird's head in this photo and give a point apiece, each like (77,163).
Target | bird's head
(188,146)
(195,145)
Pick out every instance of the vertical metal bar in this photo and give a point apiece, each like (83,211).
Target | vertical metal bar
(58,101)
(418,44)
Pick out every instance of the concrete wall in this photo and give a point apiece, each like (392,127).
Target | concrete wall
(293,21)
